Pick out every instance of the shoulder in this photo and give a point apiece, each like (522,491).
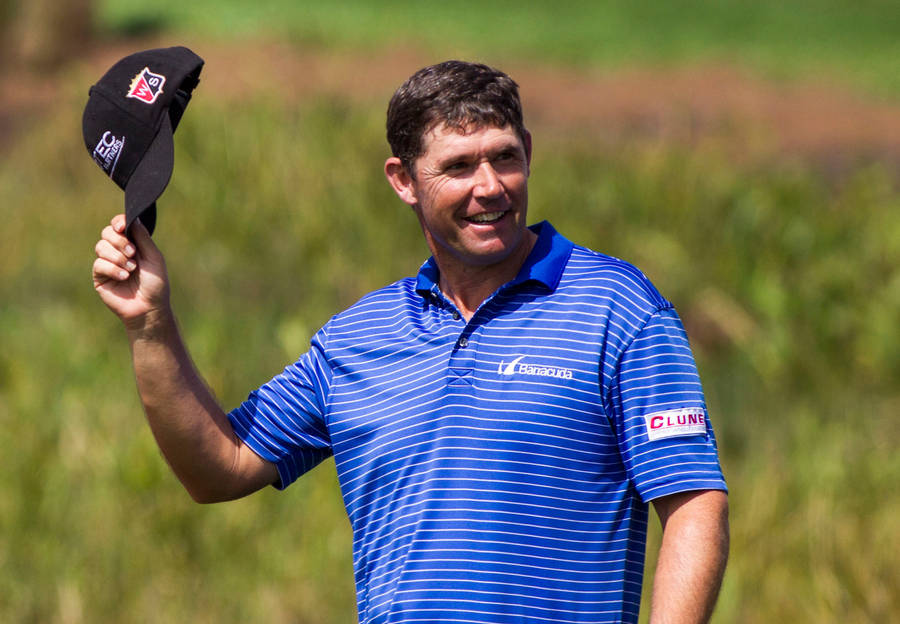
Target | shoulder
(378,307)
(600,279)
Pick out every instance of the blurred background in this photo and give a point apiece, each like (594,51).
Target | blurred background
(745,155)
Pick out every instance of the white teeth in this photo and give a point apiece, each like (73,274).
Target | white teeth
(486,217)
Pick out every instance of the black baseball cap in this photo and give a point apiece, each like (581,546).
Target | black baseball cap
(129,120)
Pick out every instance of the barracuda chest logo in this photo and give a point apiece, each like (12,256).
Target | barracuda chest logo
(518,367)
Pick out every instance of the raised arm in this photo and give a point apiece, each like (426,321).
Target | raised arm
(692,556)
(190,428)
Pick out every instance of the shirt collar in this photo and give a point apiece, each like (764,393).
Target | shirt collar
(544,264)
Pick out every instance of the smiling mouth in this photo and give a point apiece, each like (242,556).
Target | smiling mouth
(486,217)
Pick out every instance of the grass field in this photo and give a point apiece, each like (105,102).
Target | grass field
(788,280)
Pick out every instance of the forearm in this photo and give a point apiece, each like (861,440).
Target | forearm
(192,431)
(692,557)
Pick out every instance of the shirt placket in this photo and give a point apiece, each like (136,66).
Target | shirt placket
(461,366)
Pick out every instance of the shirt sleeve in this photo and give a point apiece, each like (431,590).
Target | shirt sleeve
(283,421)
(665,437)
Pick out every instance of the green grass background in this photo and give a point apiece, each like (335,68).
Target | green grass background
(278,216)
(853,42)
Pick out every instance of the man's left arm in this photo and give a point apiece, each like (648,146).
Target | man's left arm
(692,556)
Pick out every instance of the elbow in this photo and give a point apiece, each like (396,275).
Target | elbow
(203,496)
(218,482)
(220,491)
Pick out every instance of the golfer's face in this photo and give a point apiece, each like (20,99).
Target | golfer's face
(471,194)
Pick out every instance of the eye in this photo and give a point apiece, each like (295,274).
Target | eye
(457,166)
(509,155)
(508,159)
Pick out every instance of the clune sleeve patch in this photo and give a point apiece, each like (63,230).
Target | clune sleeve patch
(686,421)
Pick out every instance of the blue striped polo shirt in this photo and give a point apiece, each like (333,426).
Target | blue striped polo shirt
(497,470)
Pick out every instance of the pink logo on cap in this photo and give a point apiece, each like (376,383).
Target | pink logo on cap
(146,86)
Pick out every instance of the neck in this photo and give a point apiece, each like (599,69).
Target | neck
(468,286)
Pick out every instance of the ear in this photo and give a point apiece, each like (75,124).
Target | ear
(401,180)
(528,152)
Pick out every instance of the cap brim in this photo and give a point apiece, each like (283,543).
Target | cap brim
(150,178)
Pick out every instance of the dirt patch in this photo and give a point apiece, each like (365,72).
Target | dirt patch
(828,125)
(832,127)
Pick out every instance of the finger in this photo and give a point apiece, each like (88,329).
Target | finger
(117,240)
(105,250)
(104,271)
(118,223)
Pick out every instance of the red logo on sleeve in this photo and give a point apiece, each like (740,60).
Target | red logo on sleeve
(687,421)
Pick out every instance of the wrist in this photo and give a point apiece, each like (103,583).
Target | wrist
(155,325)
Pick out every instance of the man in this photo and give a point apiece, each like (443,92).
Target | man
(498,423)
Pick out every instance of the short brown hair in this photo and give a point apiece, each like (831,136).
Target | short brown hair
(456,93)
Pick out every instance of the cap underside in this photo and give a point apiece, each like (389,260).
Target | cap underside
(150,177)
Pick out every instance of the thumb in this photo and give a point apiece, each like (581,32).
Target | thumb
(141,238)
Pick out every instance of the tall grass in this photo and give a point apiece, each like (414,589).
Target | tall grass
(278,217)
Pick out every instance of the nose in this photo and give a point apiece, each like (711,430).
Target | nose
(487,182)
